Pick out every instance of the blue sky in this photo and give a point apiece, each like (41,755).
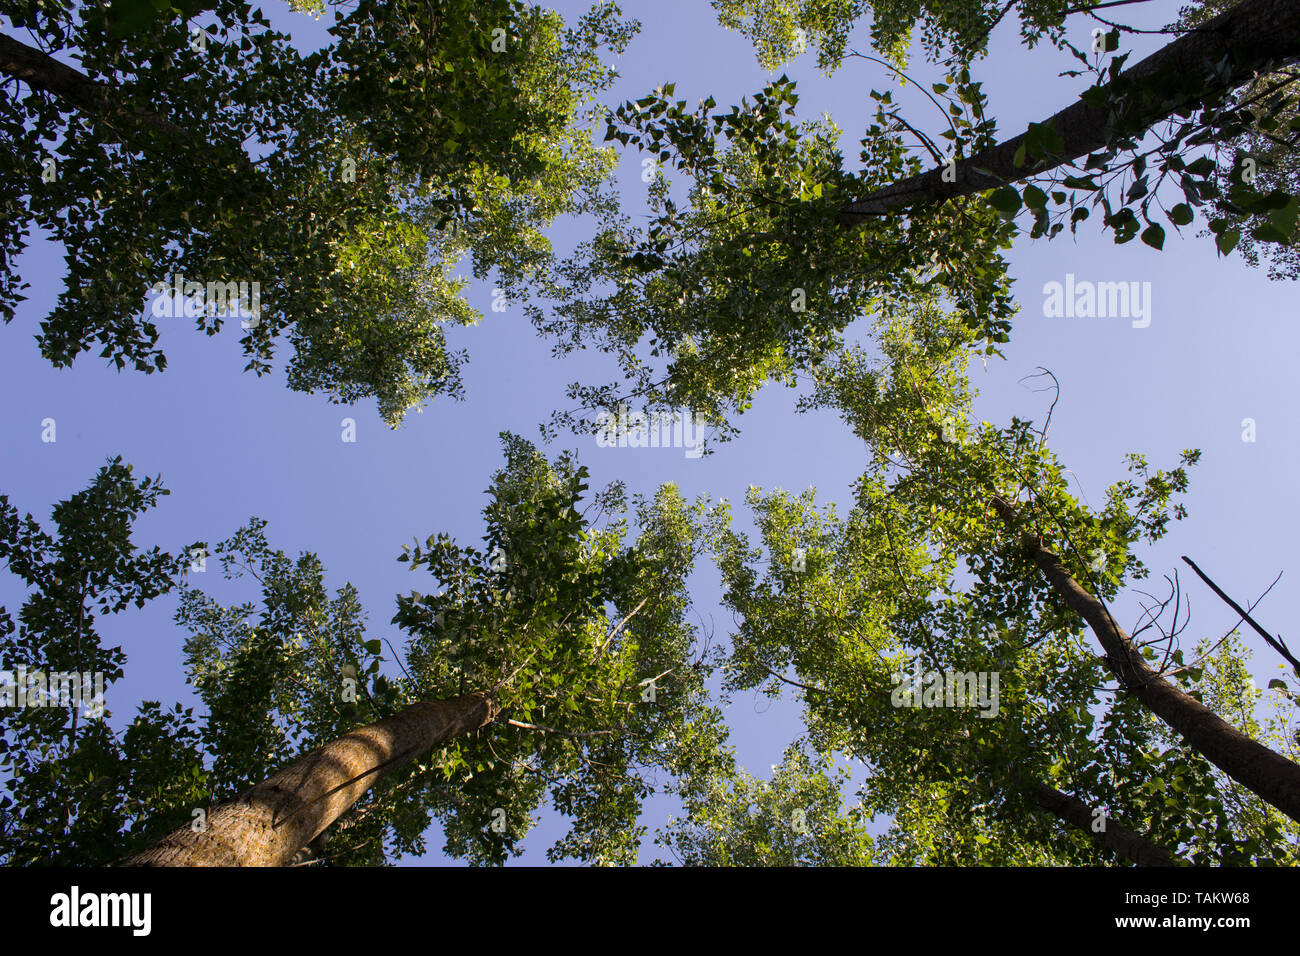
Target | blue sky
(229,445)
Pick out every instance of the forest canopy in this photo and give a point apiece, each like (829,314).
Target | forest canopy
(954,635)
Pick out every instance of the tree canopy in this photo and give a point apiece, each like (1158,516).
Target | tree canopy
(348,181)
(953,635)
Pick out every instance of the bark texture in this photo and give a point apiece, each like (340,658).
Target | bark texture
(1124,842)
(1252,36)
(269,824)
(1264,772)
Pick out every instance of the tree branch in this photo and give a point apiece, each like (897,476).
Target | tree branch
(1254,35)
(1274,642)
(1268,774)
(1125,843)
(95,100)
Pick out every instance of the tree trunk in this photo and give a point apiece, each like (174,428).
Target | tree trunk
(1124,842)
(1264,772)
(270,823)
(1253,35)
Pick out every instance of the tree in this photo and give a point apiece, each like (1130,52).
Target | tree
(1244,38)
(757,230)
(517,678)
(1232,55)
(935,572)
(844,604)
(559,660)
(1190,79)
(965,553)
(1270,141)
(755,277)
(347,198)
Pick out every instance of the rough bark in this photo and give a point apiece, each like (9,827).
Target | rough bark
(1124,842)
(270,823)
(1264,772)
(1254,35)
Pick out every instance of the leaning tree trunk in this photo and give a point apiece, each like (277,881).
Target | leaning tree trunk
(1120,840)
(1266,773)
(269,824)
(1254,35)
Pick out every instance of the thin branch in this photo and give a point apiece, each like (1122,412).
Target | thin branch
(1274,642)
(614,633)
(795,683)
(565,733)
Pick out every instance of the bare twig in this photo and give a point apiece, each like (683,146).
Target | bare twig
(1274,642)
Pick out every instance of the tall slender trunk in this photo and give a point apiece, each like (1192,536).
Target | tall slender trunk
(1251,36)
(1124,842)
(1264,772)
(270,823)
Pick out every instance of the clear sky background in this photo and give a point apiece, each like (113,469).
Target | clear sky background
(1221,340)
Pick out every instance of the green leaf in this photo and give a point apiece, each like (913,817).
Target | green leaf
(1181,214)
(1005,200)
(1051,138)
(1094,97)
(1154,236)
(1284,219)
(1080,182)
(131,16)
(1227,240)
(1270,233)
